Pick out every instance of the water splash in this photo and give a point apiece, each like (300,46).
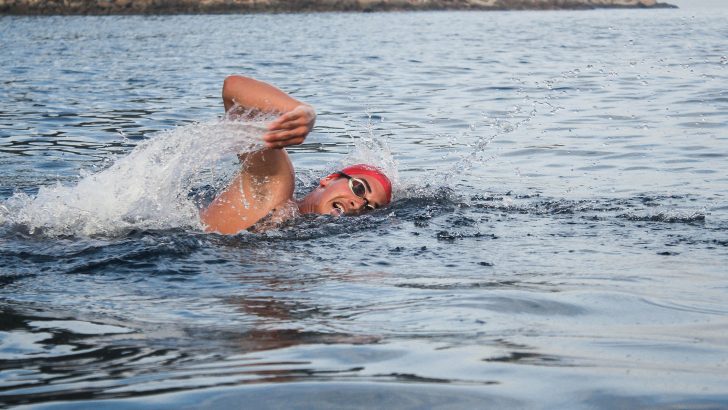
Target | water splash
(370,147)
(156,186)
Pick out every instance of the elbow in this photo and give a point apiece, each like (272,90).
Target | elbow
(235,81)
(230,82)
(231,88)
(232,79)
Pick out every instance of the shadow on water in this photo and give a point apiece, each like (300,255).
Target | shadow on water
(261,308)
(136,329)
(54,358)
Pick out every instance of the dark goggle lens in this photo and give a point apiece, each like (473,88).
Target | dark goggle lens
(358,188)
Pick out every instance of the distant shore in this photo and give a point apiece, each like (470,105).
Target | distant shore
(101,7)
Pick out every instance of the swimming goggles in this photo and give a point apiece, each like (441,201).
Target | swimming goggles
(359,188)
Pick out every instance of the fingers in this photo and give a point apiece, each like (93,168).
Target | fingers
(285,134)
(285,121)
(288,121)
(293,141)
(301,115)
(290,128)
(286,137)
(286,126)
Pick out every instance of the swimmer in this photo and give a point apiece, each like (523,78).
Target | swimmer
(261,194)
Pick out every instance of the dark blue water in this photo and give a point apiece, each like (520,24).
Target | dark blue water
(558,238)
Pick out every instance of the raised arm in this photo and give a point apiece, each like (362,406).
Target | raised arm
(290,128)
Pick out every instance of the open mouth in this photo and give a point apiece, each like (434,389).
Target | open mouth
(338,209)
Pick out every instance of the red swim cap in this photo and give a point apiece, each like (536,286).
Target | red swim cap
(374,172)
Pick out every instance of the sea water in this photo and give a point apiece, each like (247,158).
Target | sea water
(557,238)
(151,188)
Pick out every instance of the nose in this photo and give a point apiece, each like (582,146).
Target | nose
(357,203)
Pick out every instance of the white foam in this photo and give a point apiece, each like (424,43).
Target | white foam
(371,148)
(147,189)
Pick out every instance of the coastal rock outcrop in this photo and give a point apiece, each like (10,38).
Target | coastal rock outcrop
(252,6)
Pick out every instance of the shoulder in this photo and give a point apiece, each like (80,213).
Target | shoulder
(270,172)
(276,217)
(265,182)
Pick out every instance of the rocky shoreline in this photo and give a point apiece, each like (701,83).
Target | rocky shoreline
(102,7)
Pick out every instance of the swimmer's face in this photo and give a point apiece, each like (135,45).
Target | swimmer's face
(342,194)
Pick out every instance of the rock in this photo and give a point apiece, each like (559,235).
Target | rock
(250,6)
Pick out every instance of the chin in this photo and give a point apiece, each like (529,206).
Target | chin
(309,204)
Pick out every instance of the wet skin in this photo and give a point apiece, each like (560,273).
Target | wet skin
(264,186)
(333,196)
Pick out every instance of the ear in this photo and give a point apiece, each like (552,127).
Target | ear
(327,179)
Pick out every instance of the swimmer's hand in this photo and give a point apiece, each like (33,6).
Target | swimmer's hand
(291,128)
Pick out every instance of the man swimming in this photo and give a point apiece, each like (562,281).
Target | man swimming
(263,189)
